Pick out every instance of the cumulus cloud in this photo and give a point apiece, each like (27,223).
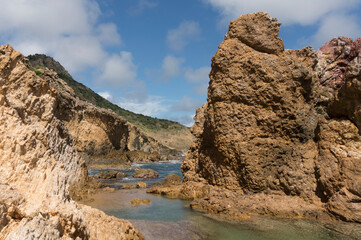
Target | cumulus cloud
(141,6)
(336,25)
(187,104)
(332,18)
(171,67)
(119,70)
(179,38)
(289,12)
(108,34)
(68,30)
(106,95)
(153,106)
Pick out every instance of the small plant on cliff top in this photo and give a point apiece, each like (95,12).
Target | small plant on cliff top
(36,70)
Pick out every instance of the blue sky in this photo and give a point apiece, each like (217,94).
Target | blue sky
(153,56)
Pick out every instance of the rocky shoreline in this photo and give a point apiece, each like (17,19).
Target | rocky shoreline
(279,136)
(280,132)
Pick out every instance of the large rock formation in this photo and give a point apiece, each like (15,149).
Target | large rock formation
(38,165)
(169,133)
(280,132)
(97,130)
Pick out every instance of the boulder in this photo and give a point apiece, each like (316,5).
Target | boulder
(172,179)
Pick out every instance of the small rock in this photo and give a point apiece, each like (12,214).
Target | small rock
(121,175)
(145,173)
(138,201)
(141,185)
(108,174)
(109,189)
(129,186)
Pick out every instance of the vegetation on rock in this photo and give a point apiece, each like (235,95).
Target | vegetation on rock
(178,136)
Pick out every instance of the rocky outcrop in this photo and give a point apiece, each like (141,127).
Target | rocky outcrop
(175,137)
(96,130)
(145,173)
(38,165)
(170,188)
(280,132)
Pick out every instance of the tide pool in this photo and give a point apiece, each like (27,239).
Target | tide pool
(173,219)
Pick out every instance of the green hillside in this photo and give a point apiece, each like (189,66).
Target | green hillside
(84,93)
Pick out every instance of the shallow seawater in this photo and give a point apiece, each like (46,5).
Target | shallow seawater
(173,219)
(164,168)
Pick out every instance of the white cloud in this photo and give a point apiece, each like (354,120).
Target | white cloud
(186,120)
(332,18)
(106,95)
(141,6)
(336,25)
(199,75)
(179,38)
(153,106)
(171,67)
(119,70)
(303,12)
(187,104)
(68,30)
(77,52)
(108,34)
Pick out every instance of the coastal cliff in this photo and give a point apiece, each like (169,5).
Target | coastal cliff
(94,130)
(38,165)
(280,132)
(173,137)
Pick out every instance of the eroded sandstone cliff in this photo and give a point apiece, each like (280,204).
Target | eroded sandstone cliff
(169,133)
(38,165)
(280,132)
(97,130)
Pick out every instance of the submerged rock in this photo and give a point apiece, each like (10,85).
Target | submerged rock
(280,132)
(145,173)
(108,174)
(138,201)
(38,165)
(129,186)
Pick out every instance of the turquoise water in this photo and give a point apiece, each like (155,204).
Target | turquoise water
(164,168)
(172,218)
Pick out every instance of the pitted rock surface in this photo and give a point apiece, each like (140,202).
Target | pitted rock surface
(277,135)
(38,165)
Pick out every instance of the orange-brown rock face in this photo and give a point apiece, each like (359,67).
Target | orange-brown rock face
(270,135)
(38,165)
(96,130)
